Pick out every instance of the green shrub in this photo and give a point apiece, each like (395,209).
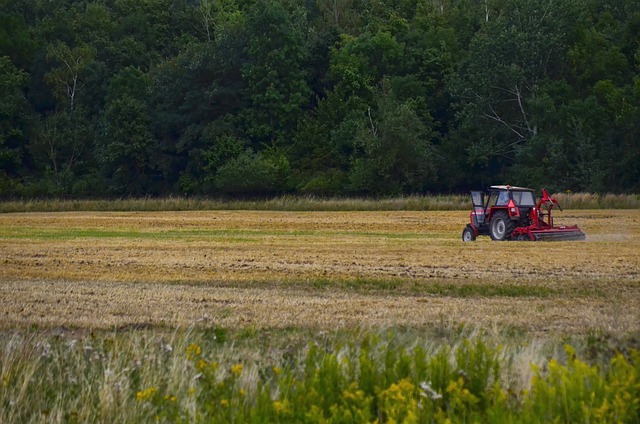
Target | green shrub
(253,174)
(578,392)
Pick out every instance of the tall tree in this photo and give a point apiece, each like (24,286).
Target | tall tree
(127,148)
(16,40)
(275,71)
(15,126)
(67,76)
(393,150)
(510,60)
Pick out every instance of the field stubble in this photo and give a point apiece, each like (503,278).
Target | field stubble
(263,269)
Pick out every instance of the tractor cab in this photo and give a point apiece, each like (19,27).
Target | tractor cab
(517,202)
(498,211)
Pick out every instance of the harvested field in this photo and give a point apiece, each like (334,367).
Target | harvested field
(313,269)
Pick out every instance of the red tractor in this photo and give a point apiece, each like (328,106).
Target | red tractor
(512,213)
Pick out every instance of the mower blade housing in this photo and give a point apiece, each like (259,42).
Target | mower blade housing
(558,234)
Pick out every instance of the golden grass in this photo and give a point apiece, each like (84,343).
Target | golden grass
(265,269)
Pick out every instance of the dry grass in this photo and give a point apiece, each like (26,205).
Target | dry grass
(302,203)
(281,203)
(598,201)
(260,269)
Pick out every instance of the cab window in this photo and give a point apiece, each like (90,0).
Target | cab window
(493,198)
(503,198)
(477,198)
(523,198)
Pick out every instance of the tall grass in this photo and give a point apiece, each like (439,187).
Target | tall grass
(598,201)
(302,203)
(282,203)
(398,376)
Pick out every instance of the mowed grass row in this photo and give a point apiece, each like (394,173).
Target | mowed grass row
(312,269)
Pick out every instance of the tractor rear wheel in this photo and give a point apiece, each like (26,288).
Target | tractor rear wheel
(468,234)
(501,226)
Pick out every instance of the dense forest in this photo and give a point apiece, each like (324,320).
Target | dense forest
(109,98)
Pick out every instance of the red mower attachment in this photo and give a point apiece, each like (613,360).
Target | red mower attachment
(511,213)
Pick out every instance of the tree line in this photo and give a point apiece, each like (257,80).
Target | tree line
(105,98)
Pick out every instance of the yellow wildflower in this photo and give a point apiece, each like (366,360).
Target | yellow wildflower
(242,393)
(281,407)
(193,351)
(353,394)
(146,394)
(453,386)
(602,412)
(277,370)
(236,370)
(224,403)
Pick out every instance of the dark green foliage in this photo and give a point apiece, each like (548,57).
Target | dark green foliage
(253,174)
(16,40)
(273,71)
(127,150)
(14,126)
(376,98)
(393,151)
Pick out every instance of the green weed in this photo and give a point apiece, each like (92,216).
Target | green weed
(386,377)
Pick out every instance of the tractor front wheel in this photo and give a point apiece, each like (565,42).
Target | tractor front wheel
(501,226)
(468,234)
